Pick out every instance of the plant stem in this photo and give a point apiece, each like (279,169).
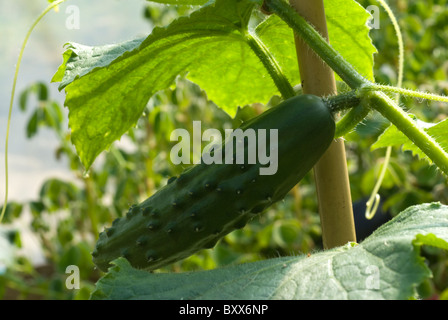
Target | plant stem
(271,65)
(342,101)
(91,205)
(374,200)
(329,55)
(316,42)
(331,174)
(384,105)
(378,100)
(410,93)
(351,119)
(11,103)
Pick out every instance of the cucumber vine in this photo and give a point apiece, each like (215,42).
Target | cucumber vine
(374,200)
(51,6)
(375,100)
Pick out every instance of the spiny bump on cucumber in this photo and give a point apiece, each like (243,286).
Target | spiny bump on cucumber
(153,225)
(204,203)
(147,211)
(110,231)
(198,227)
(125,253)
(141,241)
(151,256)
(171,227)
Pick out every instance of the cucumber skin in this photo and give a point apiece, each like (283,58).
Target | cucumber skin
(206,202)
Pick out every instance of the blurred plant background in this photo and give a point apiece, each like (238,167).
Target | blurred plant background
(67,215)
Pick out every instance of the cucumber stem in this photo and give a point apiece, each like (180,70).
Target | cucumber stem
(317,43)
(406,92)
(384,105)
(271,65)
(342,101)
(351,119)
(328,54)
(377,100)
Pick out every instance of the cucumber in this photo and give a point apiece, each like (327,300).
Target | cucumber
(206,202)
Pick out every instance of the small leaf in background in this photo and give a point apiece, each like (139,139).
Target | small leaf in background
(12,212)
(36,208)
(46,113)
(393,137)
(38,88)
(33,123)
(56,194)
(430,240)
(8,248)
(386,265)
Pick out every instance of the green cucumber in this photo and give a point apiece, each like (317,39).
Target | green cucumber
(206,202)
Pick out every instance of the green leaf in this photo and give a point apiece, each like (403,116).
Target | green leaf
(349,34)
(33,123)
(79,60)
(7,249)
(38,88)
(394,137)
(108,87)
(386,265)
(56,194)
(347,30)
(12,212)
(430,240)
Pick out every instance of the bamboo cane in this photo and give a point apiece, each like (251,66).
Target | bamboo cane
(331,174)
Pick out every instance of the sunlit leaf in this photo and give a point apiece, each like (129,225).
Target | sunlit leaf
(108,87)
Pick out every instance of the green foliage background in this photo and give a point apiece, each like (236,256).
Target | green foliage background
(134,169)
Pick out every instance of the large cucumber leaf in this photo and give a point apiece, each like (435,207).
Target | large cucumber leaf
(386,265)
(108,87)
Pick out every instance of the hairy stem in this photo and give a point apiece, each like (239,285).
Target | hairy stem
(400,42)
(328,54)
(342,101)
(376,100)
(351,119)
(373,202)
(406,92)
(271,65)
(316,42)
(383,104)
